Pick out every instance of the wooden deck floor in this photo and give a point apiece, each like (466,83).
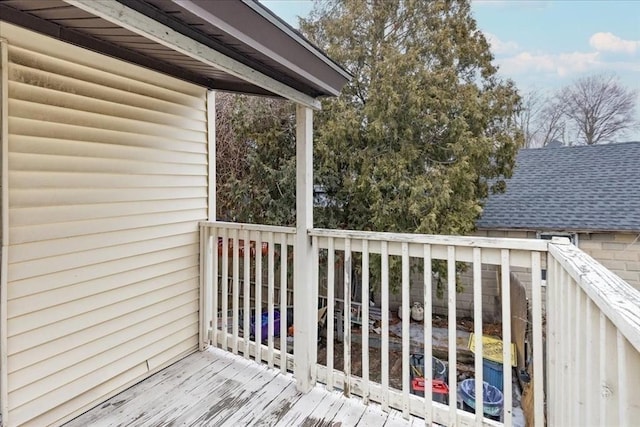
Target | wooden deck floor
(216,388)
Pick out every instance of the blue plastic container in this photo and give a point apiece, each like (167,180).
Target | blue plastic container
(492,373)
(493,400)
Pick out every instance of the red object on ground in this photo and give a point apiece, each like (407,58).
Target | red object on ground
(241,247)
(437,386)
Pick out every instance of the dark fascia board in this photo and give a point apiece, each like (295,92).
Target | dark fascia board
(77,38)
(175,24)
(261,39)
(297,36)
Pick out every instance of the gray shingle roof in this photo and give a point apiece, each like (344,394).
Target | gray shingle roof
(583,188)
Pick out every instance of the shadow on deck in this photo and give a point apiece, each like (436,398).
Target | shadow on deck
(217,388)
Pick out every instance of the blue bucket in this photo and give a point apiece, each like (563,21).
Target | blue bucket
(492,373)
(493,400)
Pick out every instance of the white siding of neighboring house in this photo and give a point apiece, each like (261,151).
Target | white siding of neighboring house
(107,180)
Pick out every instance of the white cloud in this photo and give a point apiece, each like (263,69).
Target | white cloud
(571,63)
(562,64)
(608,42)
(500,47)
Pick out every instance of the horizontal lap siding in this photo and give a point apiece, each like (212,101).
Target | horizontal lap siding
(107,182)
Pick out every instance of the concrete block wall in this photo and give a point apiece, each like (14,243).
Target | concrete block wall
(491,308)
(619,252)
(464,300)
(523,274)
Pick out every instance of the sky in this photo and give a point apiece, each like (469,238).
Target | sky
(547,44)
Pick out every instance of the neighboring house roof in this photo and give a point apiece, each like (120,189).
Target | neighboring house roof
(243,30)
(580,188)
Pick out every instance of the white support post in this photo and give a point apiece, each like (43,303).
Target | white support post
(304,294)
(211,142)
(206,251)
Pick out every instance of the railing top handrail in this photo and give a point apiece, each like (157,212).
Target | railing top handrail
(248,227)
(617,299)
(443,240)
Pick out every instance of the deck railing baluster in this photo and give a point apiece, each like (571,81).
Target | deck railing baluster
(538,344)
(427,277)
(224,296)
(214,282)
(270,297)
(283,301)
(235,293)
(591,397)
(452,335)
(365,320)
(406,333)
(347,318)
(505,273)
(331,261)
(246,294)
(257,318)
(384,262)
(577,354)
(623,389)
(477,324)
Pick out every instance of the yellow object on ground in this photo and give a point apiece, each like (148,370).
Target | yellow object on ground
(492,349)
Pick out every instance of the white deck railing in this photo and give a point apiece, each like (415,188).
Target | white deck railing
(240,285)
(593,343)
(592,333)
(410,250)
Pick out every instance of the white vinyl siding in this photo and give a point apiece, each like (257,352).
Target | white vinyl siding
(107,181)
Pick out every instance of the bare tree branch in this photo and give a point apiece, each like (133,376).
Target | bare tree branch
(598,108)
(540,119)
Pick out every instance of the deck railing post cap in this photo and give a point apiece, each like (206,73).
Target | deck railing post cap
(560,240)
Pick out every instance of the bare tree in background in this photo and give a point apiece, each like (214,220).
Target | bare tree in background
(553,124)
(528,117)
(598,108)
(540,119)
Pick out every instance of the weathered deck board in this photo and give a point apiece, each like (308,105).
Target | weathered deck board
(299,412)
(327,409)
(270,407)
(126,406)
(220,403)
(216,388)
(395,419)
(163,400)
(374,418)
(205,399)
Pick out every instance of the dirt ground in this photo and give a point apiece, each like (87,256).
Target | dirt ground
(463,370)
(466,324)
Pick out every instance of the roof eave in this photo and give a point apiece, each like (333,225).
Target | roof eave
(295,34)
(151,29)
(208,13)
